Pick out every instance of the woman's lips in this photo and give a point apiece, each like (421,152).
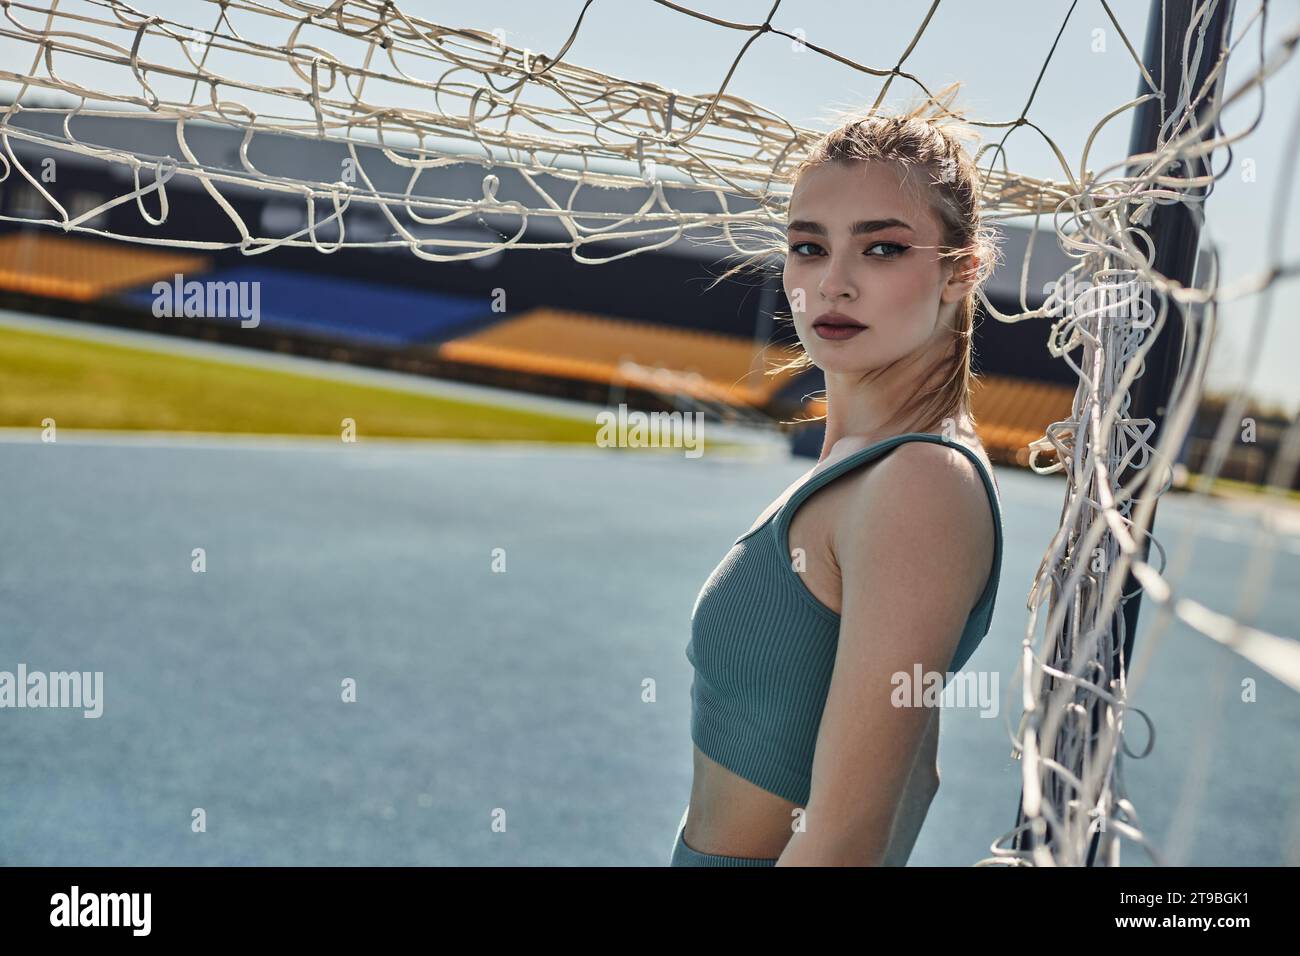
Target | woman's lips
(837,333)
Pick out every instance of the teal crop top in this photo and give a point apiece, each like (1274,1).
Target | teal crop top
(763,647)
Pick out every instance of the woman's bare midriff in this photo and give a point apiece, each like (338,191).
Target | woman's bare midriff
(733,817)
(728,814)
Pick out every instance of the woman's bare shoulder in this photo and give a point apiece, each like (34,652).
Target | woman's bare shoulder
(921,494)
(936,467)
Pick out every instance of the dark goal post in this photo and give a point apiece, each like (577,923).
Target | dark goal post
(1175,235)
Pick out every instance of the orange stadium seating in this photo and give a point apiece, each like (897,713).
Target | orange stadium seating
(578,345)
(67,267)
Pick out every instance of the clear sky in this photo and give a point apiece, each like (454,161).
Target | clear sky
(996,50)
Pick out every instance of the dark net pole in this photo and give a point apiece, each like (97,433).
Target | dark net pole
(1175,235)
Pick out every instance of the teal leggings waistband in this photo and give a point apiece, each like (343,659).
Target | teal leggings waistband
(683,855)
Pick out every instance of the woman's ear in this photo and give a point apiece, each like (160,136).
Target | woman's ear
(961,281)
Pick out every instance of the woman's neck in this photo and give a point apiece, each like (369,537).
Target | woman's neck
(961,429)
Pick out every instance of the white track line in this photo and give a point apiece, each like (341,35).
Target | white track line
(263,442)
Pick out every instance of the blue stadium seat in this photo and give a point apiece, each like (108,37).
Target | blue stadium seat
(342,309)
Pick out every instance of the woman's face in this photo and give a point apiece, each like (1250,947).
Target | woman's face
(863,246)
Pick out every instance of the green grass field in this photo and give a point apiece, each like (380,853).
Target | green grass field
(85,384)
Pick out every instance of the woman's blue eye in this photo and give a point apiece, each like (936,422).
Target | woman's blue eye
(795,248)
(895,247)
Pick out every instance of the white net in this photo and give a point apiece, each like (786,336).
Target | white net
(401,92)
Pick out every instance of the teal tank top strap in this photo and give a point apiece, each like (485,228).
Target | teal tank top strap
(779,523)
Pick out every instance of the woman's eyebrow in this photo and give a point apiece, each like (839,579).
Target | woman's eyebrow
(860,228)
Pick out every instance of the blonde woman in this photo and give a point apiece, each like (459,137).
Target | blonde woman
(880,563)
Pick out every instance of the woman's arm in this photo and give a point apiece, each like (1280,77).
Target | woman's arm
(914,556)
(915,804)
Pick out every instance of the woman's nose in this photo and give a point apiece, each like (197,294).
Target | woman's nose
(835,281)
